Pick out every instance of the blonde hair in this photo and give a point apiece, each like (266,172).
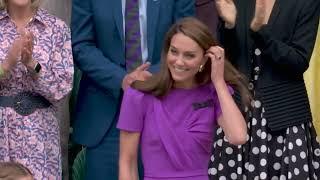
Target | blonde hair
(14,170)
(34,4)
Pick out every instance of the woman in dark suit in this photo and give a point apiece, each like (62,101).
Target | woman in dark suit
(271,42)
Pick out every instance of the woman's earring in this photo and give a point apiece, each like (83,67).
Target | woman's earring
(201,68)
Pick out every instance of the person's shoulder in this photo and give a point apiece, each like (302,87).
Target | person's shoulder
(302,3)
(51,20)
(308,1)
(314,3)
(306,7)
(133,91)
(137,94)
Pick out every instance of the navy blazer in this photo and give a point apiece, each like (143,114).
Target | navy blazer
(98,49)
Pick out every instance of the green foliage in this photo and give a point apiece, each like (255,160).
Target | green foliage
(78,167)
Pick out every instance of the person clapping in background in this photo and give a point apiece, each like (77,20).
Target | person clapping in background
(36,71)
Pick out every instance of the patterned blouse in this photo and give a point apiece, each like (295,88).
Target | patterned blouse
(33,140)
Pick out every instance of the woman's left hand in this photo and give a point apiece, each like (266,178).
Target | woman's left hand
(26,54)
(217,57)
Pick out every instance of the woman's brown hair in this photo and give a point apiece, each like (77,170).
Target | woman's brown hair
(161,83)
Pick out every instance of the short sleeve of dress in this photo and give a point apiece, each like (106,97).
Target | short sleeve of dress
(132,111)
(217,107)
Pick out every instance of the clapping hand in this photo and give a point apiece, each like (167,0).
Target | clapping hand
(260,17)
(227,11)
(26,54)
(13,55)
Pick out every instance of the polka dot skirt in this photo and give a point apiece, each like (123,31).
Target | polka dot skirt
(293,153)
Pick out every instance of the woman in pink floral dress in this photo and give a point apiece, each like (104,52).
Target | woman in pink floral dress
(36,69)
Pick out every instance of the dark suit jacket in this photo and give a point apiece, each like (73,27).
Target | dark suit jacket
(286,44)
(98,47)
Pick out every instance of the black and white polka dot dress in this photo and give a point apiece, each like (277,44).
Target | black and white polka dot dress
(293,153)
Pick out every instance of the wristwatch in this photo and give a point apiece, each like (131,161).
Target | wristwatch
(37,68)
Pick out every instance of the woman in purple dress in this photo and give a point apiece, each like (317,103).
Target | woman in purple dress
(36,70)
(173,114)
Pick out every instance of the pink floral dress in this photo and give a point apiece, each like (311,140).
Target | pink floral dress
(33,140)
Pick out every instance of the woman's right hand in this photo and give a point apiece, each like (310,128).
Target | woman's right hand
(13,55)
(227,11)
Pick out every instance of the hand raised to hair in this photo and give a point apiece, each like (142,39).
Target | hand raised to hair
(227,11)
(217,57)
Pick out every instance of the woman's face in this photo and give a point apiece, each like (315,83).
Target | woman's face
(184,58)
(20,3)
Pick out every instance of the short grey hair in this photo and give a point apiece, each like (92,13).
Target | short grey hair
(4,3)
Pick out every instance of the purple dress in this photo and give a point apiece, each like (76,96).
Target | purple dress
(176,131)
